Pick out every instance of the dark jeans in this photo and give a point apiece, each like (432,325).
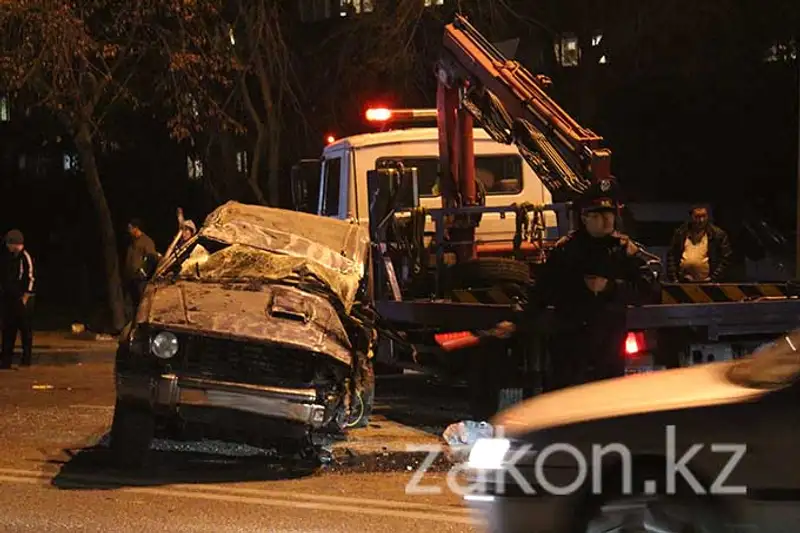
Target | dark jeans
(135,289)
(17,318)
(582,351)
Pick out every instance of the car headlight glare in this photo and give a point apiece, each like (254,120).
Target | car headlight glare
(164,345)
(488,454)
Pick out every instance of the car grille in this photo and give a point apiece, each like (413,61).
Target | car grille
(245,362)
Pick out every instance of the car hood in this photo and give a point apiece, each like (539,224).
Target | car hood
(267,313)
(665,390)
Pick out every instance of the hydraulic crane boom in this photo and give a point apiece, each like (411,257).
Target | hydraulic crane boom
(477,81)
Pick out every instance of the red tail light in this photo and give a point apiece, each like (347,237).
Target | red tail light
(456,340)
(634,343)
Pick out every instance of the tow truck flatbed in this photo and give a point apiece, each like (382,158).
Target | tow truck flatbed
(720,318)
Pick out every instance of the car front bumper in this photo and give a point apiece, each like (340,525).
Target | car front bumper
(171,393)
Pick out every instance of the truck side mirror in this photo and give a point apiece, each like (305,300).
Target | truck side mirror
(305,180)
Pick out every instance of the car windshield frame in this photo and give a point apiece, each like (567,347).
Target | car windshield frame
(775,365)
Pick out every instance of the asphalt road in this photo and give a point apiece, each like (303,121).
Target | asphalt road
(55,476)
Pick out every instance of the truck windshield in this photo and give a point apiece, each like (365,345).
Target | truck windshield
(772,366)
(499,174)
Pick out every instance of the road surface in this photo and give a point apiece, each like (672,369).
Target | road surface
(55,475)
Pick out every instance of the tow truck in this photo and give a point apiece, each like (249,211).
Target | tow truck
(431,269)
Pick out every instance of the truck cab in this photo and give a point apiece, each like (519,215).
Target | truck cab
(500,170)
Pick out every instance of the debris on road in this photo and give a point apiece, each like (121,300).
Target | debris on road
(385,462)
(42,387)
(462,435)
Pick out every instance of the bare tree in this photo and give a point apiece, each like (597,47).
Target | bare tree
(268,86)
(84,61)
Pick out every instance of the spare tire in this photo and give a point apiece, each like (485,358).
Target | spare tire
(488,272)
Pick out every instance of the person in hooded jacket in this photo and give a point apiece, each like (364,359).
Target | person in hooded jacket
(18,290)
(187,229)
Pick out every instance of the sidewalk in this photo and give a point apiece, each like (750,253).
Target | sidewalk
(60,341)
(64,348)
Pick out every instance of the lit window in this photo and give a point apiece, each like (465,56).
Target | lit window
(784,52)
(597,38)
(241,162)
(231,36)
(429,3)
(355,7)
(70,162)
(194,168)
(603,60)
(567,51)
(5,114)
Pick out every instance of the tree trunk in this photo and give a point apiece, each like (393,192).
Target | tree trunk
(274,167)
(116,301)
(255,168)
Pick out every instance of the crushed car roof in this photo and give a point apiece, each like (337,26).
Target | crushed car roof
(337,246)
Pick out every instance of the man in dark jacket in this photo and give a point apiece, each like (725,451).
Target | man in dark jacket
(18,286)
(590,277)
(141,253)
(700,251)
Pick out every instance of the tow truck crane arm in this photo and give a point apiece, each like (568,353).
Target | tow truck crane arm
(511,104)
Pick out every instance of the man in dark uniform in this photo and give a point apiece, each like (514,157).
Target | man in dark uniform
(590,277)
(18,285)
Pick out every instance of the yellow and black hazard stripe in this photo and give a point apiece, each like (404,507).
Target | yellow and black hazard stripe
(506,295)
(698,293)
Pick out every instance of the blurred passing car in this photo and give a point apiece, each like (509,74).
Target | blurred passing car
(257,331)
(707,448)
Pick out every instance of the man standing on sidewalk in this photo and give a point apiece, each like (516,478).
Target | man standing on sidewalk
(141,250)
(18,285)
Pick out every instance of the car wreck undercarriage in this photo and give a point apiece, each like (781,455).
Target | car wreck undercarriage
(249,334)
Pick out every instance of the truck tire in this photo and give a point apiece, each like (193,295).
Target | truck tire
(489,271)
(132,431)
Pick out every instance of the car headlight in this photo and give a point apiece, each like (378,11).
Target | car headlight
(164,345)
(488,454)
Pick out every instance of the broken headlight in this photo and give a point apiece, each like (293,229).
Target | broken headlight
(164,345)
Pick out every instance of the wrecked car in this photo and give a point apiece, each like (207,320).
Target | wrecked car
(258,330)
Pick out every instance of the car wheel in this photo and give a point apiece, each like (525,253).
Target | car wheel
(367,395)
(132,431)
(653,513)
(363,399)
(360,409)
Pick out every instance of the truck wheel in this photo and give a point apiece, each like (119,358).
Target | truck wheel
(489,271)
(132,431)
